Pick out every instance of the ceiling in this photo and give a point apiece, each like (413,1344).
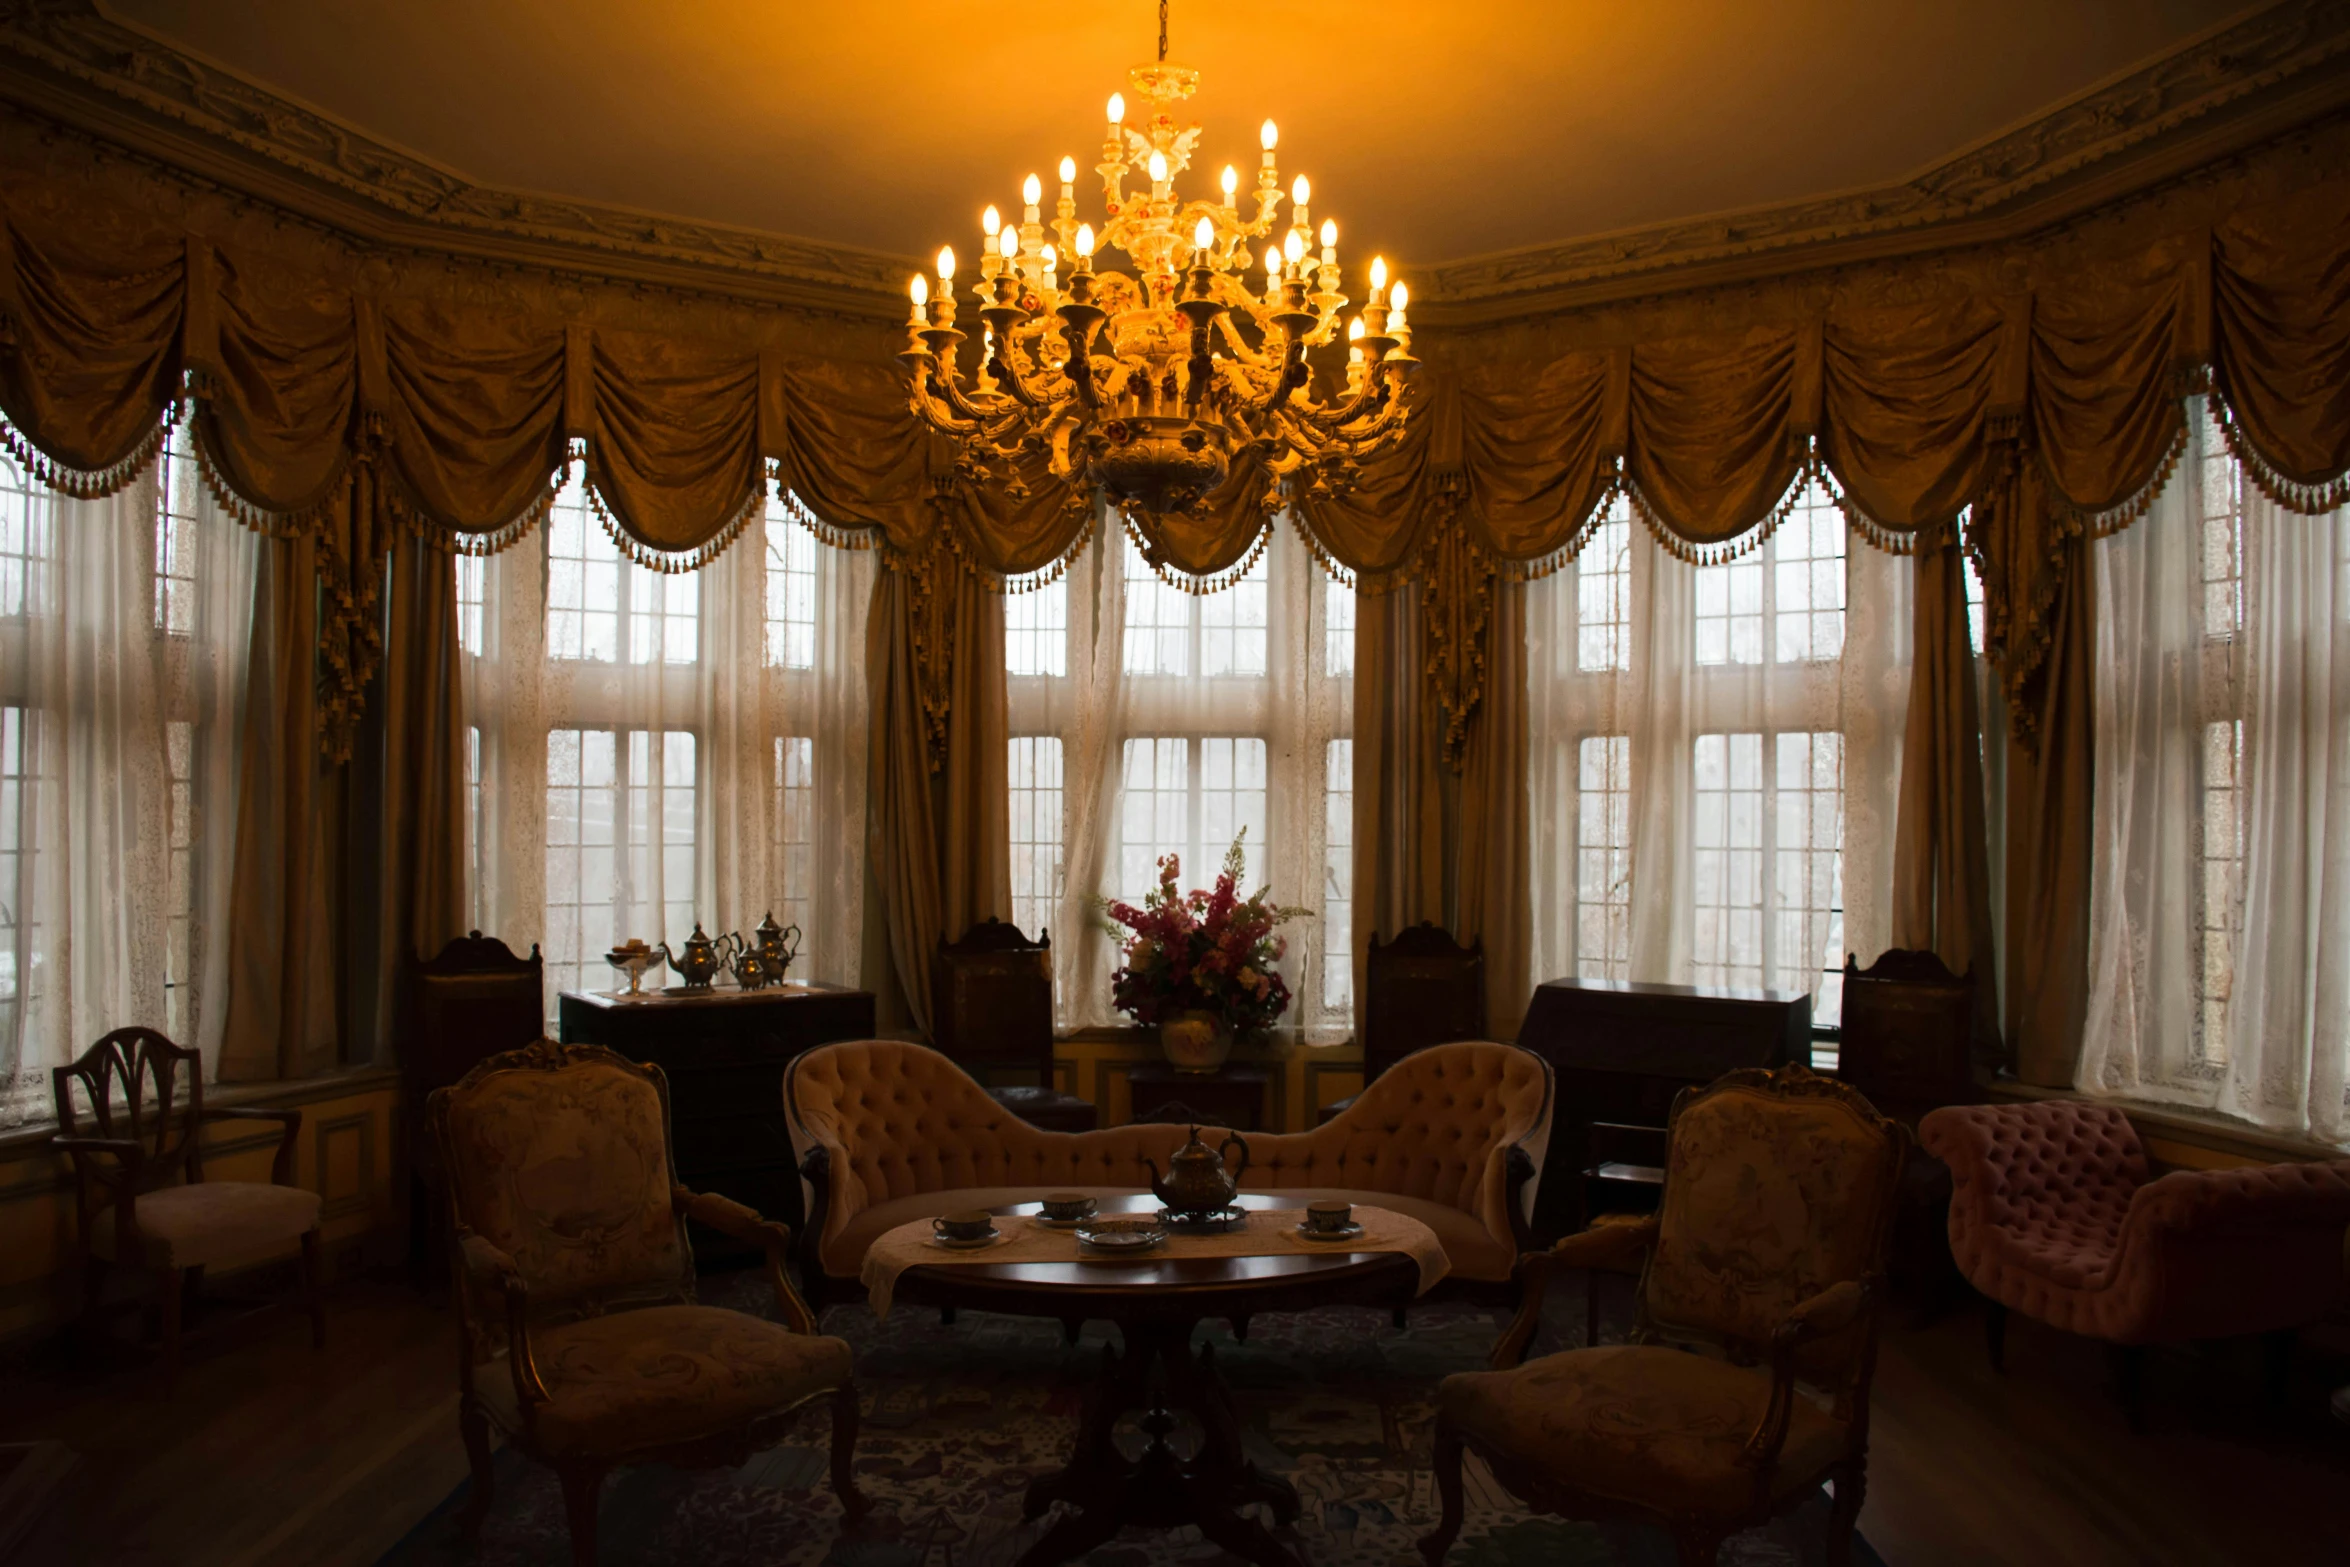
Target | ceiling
(1432,132)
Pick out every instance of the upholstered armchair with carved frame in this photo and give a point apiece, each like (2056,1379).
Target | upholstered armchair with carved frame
(140,1191)
(1745,1381)
(581,1337)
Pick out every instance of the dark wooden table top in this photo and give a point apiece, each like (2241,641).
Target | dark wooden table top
(707,995)
(1162,1287)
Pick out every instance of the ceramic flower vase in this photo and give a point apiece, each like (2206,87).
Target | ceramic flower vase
(1195,1041)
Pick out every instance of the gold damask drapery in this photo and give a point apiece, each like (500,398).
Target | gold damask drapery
(464,410)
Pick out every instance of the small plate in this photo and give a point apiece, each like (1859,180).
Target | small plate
(1122,1235)
(1215,1223)
(1063,1224)
(943,1243)
(1351,1232)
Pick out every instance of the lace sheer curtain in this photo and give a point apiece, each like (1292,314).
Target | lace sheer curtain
(2220,914)
(1149,720)
(1714,753)
(124,631)
(651,750)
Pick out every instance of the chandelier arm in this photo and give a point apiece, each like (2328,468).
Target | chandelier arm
(1373,390)
(948,380)
(1293,365)
(1008,375)
(927,409)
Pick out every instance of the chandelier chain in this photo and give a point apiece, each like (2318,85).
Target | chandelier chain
(1162,32)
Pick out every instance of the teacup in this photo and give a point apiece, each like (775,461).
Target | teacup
(1063,1207)
(1329,1218)
(970,1224)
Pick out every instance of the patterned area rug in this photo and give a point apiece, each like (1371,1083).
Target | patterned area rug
(958,1418)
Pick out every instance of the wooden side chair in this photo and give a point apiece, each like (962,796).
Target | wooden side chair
(581,1338)
(1764,1269)
(140,1192)
(993,995)
(468,1002)
(1422,988)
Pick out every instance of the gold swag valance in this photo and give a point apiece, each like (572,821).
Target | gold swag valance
(2051,410)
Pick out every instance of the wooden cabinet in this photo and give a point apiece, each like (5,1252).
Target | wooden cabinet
(724,1051)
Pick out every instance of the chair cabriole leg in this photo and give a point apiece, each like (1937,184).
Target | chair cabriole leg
(1852,1483)
(476,1432)
(853,1502)
(582,1485)
(1447,1464)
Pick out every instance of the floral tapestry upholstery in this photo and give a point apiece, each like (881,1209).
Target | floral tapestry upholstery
(1768,1200)
(909,1133)
(2056,1213)
(567,1172)
(1640,1424)
(663,1375)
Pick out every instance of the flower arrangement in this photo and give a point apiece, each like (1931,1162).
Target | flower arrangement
(1200,951)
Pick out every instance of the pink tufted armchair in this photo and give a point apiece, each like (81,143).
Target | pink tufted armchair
(2056,1214)
(888,1132)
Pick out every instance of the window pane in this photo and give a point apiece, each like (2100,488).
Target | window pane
(791,587)
(16,856)
(620,828)
(1807,841)
(1806,557)
(1190,798)
(1338,874)
(1727,839)
(1036,830)
(1338,628)
(795,829)
(1232,625)
(1158,620)
(1603,594)
(26,517)
(600,603)
(472,579)
(1036,630)
(178,488)
(1603,857)
(2222,867)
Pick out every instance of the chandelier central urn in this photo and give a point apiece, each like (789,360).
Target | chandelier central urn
(1152,383)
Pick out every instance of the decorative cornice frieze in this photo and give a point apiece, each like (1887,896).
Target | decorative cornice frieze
(2290,44)
(76,40)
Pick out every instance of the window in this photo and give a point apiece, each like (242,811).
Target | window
(1338,871)
(601,606)
(1603,594)
(25,522)
(16,780)
(1170,632)
(1036,631)
(1603,857)
(1785,599)
(179,938)
(1775,803)
(619,834)
(795,822)
(472,573)
(179,485)
(791,588)
(1036,831)
(2219,830)
(1191,797)
(1338,632)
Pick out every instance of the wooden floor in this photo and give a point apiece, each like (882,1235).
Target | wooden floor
(273,1453)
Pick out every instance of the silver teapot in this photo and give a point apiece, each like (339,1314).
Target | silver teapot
(699,963)
(1196,1180)
(747,963)
(775,954)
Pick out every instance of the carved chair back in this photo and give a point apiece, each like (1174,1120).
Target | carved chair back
(992,993)
(1778,1185)
(127,1082)
(471,1000)
(1421,989)
(558,1155)
(1907,1033)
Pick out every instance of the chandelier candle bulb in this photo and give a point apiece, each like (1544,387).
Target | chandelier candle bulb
(1152,380)
(920,289)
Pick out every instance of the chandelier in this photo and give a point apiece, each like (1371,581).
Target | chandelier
(1151,384)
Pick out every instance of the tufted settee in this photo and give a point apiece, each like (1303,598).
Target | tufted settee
(2055,1213)
(890,1132)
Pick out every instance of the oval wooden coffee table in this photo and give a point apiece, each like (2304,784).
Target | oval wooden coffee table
(1155,1303)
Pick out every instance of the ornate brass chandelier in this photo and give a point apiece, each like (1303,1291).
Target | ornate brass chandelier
(1152,385)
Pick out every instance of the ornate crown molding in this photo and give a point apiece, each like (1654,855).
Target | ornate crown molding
(181,109)
(2241,83)
(2237,84)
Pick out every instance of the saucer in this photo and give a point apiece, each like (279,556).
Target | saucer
(1063,1224)
(1216,1223)
(945,1243)
(1122,1235)
(1351,1232)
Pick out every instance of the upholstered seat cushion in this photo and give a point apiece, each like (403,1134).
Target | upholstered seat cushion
(665,1374)
(1470,1250)
(205,1222)
(1656,1426)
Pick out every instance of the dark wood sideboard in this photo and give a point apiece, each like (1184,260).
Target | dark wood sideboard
(724,1051)
(1622,1051)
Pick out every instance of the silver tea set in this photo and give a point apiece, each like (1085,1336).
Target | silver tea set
(755,961)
